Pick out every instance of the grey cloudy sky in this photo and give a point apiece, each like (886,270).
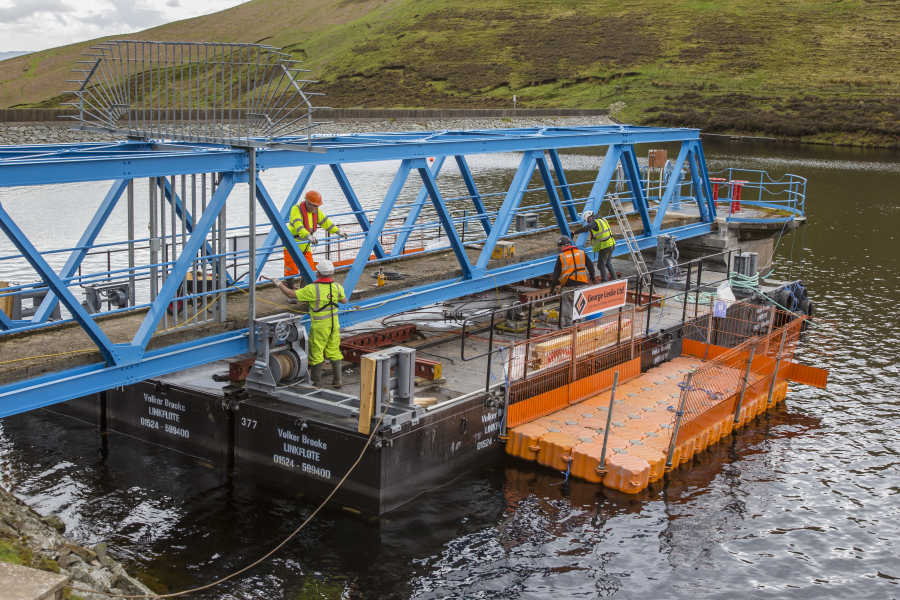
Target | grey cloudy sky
(41,24)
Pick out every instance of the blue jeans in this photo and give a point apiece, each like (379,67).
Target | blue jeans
(604,263)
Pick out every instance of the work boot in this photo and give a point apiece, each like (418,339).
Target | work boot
(336,373)
(315,373)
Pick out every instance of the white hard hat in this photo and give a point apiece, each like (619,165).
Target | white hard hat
(587,215)
(325,267)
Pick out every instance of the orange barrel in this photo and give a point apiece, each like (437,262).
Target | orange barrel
(555,449)
(523,440)
(626,473)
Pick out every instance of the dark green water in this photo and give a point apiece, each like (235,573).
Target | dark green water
(803,504)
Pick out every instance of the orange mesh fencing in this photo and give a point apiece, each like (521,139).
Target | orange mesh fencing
(549,372)
(717,385)
(741,321)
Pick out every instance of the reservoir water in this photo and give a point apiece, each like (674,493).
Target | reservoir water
(802,504)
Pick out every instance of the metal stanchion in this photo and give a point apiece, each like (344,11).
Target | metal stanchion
(251,240)
(678,415)
(737,409)
(777,366)
(132,289)
(609,417)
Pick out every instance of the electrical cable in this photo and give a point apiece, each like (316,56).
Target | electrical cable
(276,548)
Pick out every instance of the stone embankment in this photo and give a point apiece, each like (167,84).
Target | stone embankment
(53,133)
(28,539)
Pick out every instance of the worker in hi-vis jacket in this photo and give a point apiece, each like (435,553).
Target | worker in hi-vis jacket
(322,296)
(306,218)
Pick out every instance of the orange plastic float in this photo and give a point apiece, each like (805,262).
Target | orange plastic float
(642,421)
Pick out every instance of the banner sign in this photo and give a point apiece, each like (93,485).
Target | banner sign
(598,298)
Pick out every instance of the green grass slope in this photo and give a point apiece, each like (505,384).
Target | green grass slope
(817,70)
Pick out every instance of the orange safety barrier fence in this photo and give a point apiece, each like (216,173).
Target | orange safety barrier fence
(718,389)
(739,322)
(549,372)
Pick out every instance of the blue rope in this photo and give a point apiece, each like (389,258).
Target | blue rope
(566,473)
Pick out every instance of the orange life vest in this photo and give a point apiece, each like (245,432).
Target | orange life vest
(572,260)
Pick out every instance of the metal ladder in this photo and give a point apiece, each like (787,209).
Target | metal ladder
(628,234)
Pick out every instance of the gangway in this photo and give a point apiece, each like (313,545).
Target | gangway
(192,298)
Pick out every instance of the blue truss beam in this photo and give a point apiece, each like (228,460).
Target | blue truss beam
(466,173)
(49,276)
(180,268)
(564,184)
(282,232)
(355,204)
(285,213)
(444,215)
(508,208)
(633,177)
(134,160)
(672,187)
(384,212)
(87,239)
(415,210)
(554,198)
(601,184)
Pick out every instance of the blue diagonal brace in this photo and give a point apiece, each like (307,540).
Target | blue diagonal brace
(601,185)
(285,214)
(704,176)
(444,216)
(697,180)
(87,239)
(355,204)
(49,276)
(281,231)
(180,268)
(635,186)
(5,322)
(185,215)
(508,208)
(671,187)
(554,198)
(359,263)
(473,192)
(415,210)
(564,185)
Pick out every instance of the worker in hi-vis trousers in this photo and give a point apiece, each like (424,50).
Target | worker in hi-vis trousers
(323,296)
(604,242)
(306,218)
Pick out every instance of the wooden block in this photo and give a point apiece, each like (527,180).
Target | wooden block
(425,401)
(367,393)
(422,381)
(6,303)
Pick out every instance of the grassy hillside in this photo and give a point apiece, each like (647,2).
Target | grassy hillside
(818,70)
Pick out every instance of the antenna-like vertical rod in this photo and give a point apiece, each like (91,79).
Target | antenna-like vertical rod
(131,279)
(251,273)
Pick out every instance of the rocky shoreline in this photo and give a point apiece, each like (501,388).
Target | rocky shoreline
(36,541)
(59,133)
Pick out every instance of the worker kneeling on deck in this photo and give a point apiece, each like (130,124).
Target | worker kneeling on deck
(306,218)
(323,297)
(604,242)
(573,269)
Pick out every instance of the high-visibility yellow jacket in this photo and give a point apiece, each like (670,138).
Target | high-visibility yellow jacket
(323,296)
(601,235)
(302,223)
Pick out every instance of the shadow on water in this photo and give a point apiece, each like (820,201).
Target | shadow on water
(801,504)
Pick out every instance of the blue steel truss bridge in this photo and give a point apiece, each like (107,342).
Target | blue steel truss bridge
(186,290)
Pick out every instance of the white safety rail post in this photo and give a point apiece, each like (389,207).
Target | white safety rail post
(609,417)
(132,290)
(678,415)
(737,409)
(777,366)
(251,240)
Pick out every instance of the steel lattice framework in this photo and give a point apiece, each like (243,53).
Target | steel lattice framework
(126,161)
(236,94)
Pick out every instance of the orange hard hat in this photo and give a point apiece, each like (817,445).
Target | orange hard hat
(314,197)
